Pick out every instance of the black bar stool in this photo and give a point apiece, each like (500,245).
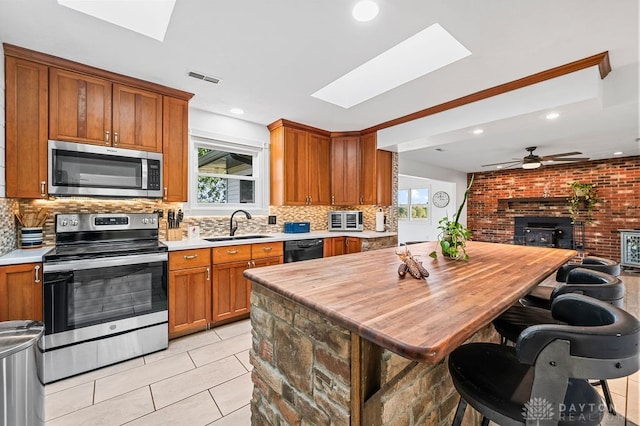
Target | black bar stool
(543,379)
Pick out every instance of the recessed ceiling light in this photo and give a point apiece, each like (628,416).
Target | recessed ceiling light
(499,167)
(365,11)
(552,116)
(420,54)
(237,111)
(477,131)
(618,153)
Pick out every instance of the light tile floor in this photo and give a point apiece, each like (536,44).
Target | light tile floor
(205,379)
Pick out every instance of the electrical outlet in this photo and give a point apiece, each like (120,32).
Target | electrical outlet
(272,220)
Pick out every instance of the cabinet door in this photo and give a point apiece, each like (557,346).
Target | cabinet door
(175,150)
(137,119)
(79,108)
(295,167)
(353,245)
(189,299)
(319,169)
(26,128)
(229,290)
(21,292)
(384,176)
(345,171)
(337,245)
(368,169)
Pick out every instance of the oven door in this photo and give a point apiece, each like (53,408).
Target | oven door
(83,293)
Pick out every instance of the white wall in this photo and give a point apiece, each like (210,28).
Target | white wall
(425,230)
(414,168)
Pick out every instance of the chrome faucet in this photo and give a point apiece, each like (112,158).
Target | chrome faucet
(232,228)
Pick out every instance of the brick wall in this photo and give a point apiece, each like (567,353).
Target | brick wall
(618,184)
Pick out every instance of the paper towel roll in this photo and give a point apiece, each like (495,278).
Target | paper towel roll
(379,221)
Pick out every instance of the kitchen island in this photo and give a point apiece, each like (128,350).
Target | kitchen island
(347,341)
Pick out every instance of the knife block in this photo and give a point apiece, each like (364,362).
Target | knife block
(174,234)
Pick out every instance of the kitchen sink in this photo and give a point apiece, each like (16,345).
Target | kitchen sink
(236,237)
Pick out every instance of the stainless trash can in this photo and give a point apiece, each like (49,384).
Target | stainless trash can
(22,391)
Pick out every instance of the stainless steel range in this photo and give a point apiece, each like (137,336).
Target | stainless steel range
(105,292)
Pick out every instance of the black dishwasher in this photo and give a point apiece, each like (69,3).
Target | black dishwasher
(297,250)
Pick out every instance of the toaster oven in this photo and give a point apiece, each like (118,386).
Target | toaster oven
(346,220)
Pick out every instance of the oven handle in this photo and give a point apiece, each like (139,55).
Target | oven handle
(104,262)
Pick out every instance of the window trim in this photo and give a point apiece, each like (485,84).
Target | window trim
(259,150)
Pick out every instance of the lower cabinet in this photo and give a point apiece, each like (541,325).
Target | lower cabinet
(189,291)
(21,292)
(231,291)
(335,246)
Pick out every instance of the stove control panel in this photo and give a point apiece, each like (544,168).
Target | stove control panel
(102,221)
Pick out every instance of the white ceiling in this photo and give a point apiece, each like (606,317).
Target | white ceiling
(272,55)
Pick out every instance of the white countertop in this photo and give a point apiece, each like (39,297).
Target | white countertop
(202,243)
(24,256)
(35,255)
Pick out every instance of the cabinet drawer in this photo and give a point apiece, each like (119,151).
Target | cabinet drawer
(263,250)
(231,253)
(189,259)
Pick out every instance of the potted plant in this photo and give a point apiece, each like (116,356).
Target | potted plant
(454,235)
(582,192)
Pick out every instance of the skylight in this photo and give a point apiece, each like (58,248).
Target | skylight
(147,17)
(420,54)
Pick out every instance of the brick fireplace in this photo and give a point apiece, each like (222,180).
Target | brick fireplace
(498,197)
(544,231)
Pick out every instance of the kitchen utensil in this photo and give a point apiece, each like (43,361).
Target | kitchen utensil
(179,218)
(171,217)
(20,218)
(41,217)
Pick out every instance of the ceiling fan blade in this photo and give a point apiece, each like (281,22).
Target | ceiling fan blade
(564,154)
(566,159)
(504,162)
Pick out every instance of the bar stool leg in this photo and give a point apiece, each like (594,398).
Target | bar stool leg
(607,397)
(457,419)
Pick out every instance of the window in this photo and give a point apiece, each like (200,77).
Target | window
(225,176)
(413,204)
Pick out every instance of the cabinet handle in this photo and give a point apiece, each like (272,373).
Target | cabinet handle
(208,274)
(232,251)
(190,257)
(37,268)
(333,199)
(267,248)
(248,264)
(165,192)
(253,263)
(43,184)
(106,137)
(361,199)
(115,138)
(310,200)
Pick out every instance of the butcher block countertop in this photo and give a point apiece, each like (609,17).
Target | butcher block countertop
(422,320)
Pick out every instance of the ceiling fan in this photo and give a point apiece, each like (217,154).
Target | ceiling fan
(533,161)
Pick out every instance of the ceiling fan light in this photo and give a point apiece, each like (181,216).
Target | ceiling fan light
(531,165)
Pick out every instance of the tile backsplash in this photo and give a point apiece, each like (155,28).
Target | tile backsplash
(8,229)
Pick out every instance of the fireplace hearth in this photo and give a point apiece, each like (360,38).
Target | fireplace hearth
(544,231)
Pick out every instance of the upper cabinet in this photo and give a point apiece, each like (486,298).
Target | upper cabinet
(345,170)
(310,166)
(26,128)
(300,169)
(93,110)
(52,98)
(175,147)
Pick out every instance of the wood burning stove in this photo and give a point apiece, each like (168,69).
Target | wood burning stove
(543,231)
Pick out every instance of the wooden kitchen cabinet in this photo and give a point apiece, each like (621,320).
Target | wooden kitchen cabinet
(92,110)
(79,108)
(231,290)
(175,150)
(26,128)
(375,172)
(336,246)
(189,291)
(300,165)
(21,292)
(345,170)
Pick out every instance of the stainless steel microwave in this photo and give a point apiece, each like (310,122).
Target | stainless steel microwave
(92,170)
(346,220)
